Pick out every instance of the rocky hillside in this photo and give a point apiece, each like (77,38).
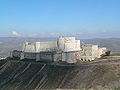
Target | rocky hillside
(15,75)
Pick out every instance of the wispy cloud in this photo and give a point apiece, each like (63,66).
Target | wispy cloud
(104,31)
(59,34)
(14,33)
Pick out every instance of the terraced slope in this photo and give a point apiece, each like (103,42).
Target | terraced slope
(28,75)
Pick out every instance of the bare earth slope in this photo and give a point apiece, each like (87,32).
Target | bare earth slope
(15,75)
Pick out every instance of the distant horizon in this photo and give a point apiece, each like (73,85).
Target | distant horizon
(101,34)
(63,36)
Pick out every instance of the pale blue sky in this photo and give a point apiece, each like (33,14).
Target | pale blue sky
(51,17)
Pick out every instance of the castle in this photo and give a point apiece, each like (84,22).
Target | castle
(66,49)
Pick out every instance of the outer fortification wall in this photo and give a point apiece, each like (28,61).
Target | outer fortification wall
(48,46)
(65,49)
(91,52)
(40,46)
(29,47)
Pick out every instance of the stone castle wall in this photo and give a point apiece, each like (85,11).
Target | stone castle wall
(65,49)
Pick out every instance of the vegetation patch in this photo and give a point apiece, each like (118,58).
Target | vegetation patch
(115,54)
